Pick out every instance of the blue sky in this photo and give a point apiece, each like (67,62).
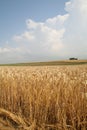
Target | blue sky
(13,14)
(39,30)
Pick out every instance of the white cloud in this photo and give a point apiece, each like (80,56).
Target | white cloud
(32,24)
(3,50)
(9,49)
(76,6)
(68,6)
(13,55)
(26,36)
(76,28)
(58,20)
(44,36)
(41,38)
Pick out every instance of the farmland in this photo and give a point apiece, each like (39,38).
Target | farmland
(49,63)
(43,97)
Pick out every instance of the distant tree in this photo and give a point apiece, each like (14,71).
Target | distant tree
(73,58)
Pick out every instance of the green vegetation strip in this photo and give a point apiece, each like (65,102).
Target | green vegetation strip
(50,63)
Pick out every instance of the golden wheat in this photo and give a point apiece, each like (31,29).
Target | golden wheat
(45,98)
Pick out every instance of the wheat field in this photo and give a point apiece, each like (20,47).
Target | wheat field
(43,98)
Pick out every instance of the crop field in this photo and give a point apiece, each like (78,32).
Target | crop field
(43,97)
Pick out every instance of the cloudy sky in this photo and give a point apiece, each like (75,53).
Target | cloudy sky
(42,30)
